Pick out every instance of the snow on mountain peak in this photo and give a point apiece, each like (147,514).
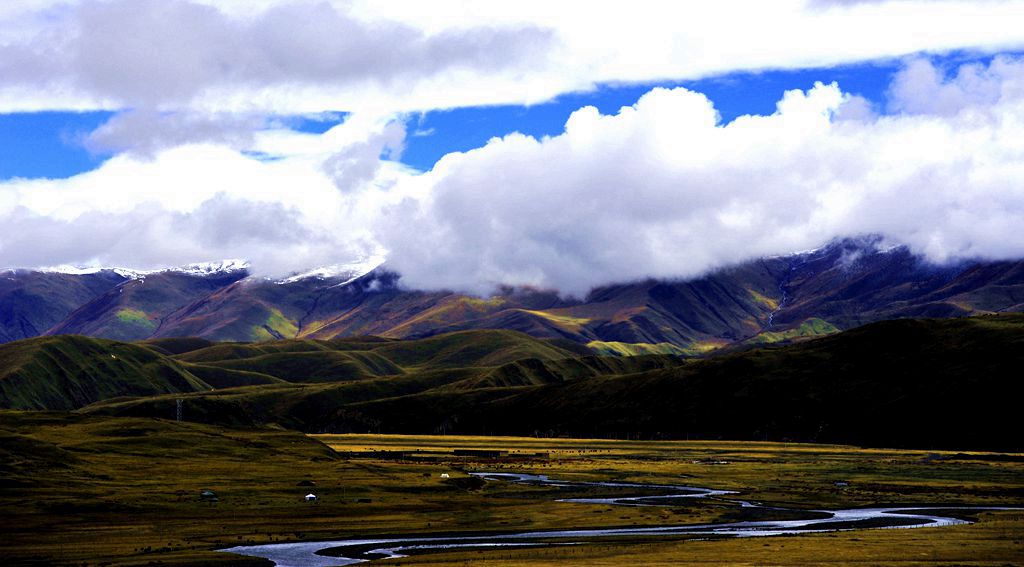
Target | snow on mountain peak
(349,272)
(207,268)
(197,269)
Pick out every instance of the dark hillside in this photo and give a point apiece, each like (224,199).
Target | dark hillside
(927,383)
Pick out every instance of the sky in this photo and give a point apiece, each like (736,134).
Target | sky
(554,145)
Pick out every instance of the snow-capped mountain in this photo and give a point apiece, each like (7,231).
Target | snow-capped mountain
(345,272)
(196,269)
(839,286)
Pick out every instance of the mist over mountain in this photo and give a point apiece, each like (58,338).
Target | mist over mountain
(846,284)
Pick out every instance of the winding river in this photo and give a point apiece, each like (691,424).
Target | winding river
(352,551)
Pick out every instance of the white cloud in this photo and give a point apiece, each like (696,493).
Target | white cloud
(145,133)
(199,202)
(308,56)
(922,88)
(291,57)
(663,190)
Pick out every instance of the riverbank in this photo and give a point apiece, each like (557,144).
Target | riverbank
(800,522)
(124,491)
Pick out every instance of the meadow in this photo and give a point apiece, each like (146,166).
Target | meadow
(95,490)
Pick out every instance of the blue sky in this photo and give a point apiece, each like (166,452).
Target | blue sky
(49,144)
(733,95)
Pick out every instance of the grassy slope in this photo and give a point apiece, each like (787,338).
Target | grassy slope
(451,350)
(178,345)
(460,361)
(68,372)
(534,371)
(218,377)
(328,406)
(322,366)
(941,383)
(471,348)
(915,382)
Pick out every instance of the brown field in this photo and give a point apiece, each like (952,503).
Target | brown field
(120,491)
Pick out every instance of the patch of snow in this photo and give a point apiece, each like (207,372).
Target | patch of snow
(131,274)
(86,270)
(797,254)
(68,269)
(197,269)
(207,268)
(348,272)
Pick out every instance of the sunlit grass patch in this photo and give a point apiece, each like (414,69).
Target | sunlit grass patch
(135,318)
(813,327)
(277,326)
(615,348)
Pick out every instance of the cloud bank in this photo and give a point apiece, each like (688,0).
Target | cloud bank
(288,56)
(302,56)
(659,189)
(305,200)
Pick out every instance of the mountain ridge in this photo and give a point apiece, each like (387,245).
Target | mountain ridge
(840,286)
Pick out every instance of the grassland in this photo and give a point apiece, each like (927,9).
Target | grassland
(124,491)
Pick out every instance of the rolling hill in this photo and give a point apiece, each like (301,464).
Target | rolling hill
(925,383)
(68,372)
(63,373)
(921,382)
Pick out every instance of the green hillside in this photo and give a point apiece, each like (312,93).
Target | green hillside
(323,366)
(68,372)
(929,382)
(177,345)
(941,383)
(368,357)
(219,378)
(471,348)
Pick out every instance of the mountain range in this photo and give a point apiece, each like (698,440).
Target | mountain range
(843,285)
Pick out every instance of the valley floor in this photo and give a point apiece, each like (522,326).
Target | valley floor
(123,491)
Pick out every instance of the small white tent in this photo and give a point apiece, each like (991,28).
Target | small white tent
(310,497)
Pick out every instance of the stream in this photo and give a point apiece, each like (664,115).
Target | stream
(352,551)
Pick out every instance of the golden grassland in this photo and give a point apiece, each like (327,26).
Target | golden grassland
(123,491)
(794,473)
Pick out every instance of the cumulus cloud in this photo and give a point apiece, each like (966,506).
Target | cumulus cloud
(359,163)
(204,202)
(923,88)
(662,189)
